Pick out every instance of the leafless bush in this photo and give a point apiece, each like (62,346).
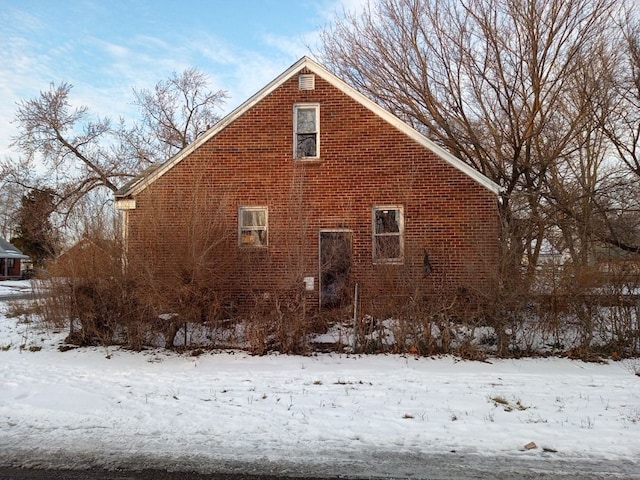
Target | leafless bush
(51,301)
(591,311)
(178,294)
(108,297)
(87,290)
(402,313)
(180,261)
(278,322)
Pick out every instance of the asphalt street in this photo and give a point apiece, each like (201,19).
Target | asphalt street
(384,466)
(94,474)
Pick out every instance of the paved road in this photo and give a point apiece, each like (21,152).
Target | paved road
(382,467)
(31,474)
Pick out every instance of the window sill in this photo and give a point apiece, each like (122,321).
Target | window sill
(399,261)
(308,161)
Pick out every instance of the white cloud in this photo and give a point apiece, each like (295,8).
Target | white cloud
(112,49)
(104,68)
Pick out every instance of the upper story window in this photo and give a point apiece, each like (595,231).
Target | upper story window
(306,121)
(388,234)
(253,226)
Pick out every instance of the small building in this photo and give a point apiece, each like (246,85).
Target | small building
(11,259)
(86,258)
(311,185)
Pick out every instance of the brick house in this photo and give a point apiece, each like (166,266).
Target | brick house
(310,186)
(10,260)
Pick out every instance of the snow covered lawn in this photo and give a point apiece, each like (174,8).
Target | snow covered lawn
(99,407)
(9,287)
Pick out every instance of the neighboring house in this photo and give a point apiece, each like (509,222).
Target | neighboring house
(310,185)
(10,261)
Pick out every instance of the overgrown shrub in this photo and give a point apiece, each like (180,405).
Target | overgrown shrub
(278,322)
(181,299)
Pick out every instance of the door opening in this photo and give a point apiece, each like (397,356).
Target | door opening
(335,268)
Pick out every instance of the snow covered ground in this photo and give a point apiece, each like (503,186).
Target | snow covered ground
(14,287)
(329,414)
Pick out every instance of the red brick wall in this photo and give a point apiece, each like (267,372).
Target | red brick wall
(12,271)
(363,162)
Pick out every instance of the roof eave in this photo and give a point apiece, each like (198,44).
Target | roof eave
(21,256)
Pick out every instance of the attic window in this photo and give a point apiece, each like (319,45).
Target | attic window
(306,121)
(306,81)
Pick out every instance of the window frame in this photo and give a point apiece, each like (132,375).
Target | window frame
(253,228)
(377,259)
(296,108)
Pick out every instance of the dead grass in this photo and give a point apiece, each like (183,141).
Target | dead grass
(507,405)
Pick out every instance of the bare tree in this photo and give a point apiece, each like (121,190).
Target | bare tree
(74,153)
(621,126)
(10,195)
(592,194)
(178,110)
(64,137)
(487,79)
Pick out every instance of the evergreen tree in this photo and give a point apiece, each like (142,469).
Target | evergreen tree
(35,234)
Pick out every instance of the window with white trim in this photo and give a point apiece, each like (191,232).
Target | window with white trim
(306,122)
(387,225)
(253,226)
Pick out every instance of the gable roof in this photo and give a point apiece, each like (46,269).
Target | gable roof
(7,250)
(151,174)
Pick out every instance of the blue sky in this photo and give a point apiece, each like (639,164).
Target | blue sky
(105,48)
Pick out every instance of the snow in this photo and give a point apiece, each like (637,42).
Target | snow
(9,287)
(382,415)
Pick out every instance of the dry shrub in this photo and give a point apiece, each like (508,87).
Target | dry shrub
(110,297)
(589,311)
(101,309)
(176,284)
(620,333)
(181,259)
(52,301)
(172,285)
(278,322)
(111,305)
(87,288)
(401,313)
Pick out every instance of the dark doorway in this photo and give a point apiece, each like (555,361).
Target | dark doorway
(335,268)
